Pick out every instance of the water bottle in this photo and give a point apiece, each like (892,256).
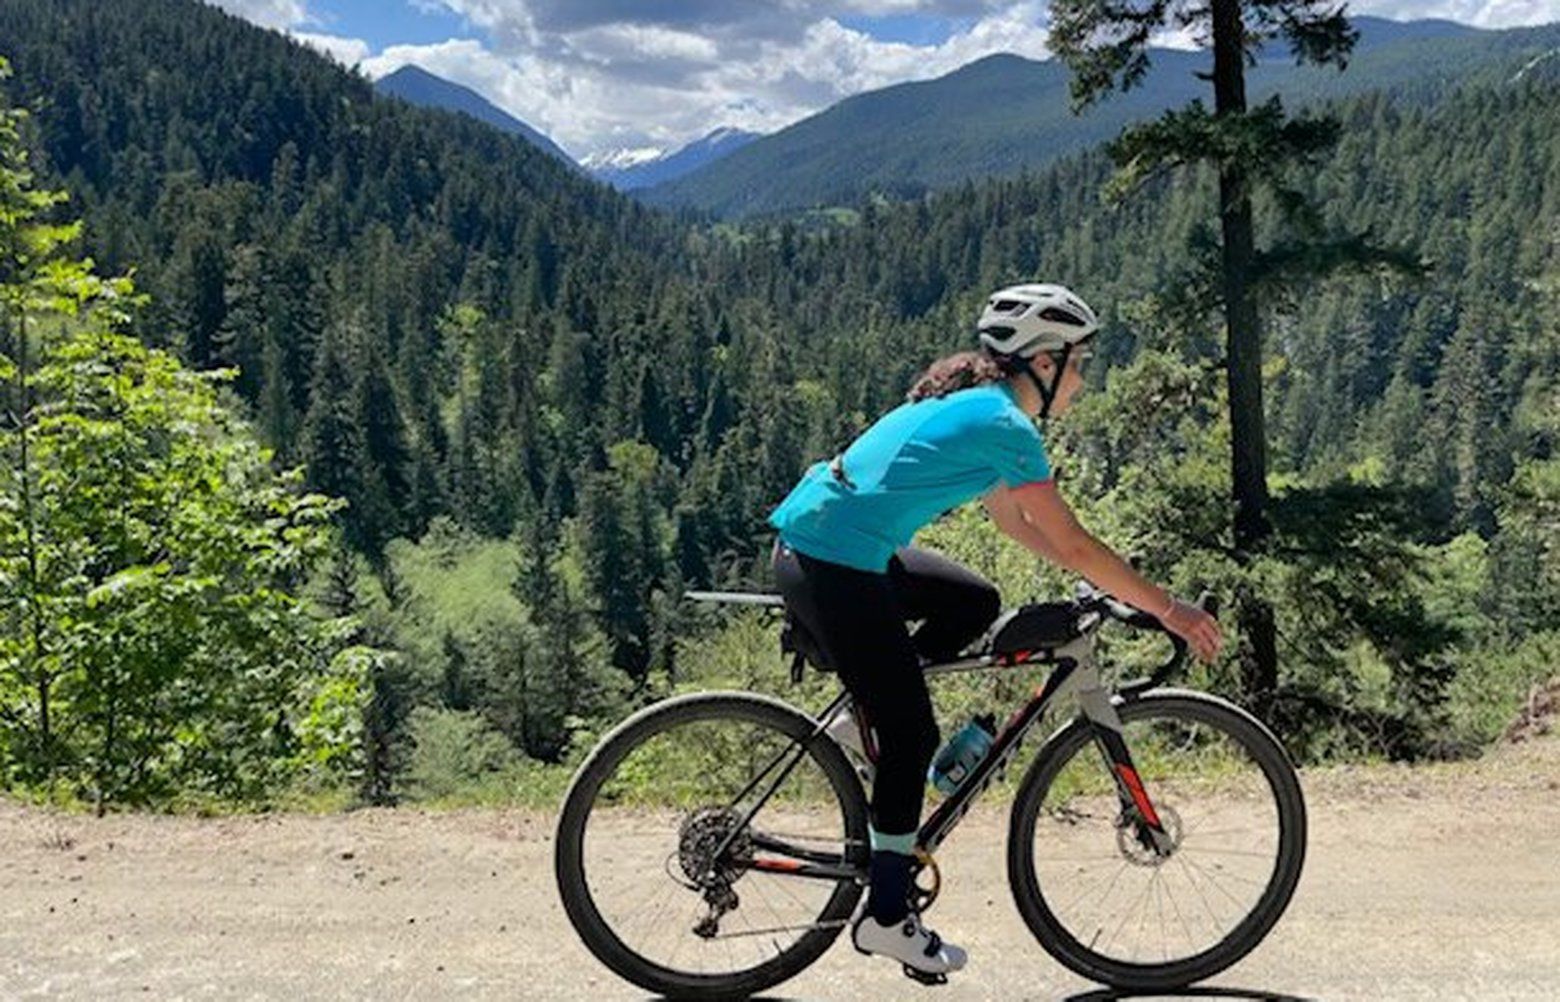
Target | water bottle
(847,734)
(962,754)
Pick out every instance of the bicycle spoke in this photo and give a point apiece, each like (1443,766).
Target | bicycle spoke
(1124,917)
(1159,902)
(1213,876)
(1219,832)
(1109,887)
(1190,939)
(1226,852)
(1192,880)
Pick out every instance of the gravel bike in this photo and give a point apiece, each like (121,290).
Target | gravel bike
(714,845)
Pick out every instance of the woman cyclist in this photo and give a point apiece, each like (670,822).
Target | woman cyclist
(843,563)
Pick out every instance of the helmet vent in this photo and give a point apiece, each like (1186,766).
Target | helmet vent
(1061,317)
(1009,306)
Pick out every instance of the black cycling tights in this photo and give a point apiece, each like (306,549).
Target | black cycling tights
(860,620)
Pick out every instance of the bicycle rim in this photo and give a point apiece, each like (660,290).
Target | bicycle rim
(1117,911)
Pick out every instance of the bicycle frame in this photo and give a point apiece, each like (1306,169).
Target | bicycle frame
(1076,674)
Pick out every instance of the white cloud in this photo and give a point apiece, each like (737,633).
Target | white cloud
(1186,39)
(268,13)
(658,76)
(644,42)
(346,51)
(606,74)
(717,18)
(1482,13)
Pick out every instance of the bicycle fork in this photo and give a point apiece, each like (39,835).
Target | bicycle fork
(1137,808)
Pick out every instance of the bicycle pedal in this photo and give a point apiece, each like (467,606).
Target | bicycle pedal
(925,977)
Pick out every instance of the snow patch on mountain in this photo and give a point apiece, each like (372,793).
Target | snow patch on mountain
(642,167)
(622,159)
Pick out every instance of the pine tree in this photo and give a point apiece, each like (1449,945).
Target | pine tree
(626,543)
(386,468)
(277,416)
(1106,46)
(333,449)
(243,337)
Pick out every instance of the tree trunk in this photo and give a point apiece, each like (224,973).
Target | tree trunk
(379,736)
(1243,358)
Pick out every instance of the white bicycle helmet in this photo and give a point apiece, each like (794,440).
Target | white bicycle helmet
(1024,320)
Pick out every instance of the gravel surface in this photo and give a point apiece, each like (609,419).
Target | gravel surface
(1434,882)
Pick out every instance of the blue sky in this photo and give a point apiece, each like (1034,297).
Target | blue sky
(600,75)
(381,23)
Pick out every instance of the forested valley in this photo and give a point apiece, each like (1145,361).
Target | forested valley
(529,413)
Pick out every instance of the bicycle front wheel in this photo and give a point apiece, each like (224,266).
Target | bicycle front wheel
(1119,912)
(712,846)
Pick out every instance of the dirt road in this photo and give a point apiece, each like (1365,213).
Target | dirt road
(1432,883)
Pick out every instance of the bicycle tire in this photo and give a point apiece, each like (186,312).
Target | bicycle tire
(1059,941)
(569,864)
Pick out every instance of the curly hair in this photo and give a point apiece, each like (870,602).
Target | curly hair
(957,372)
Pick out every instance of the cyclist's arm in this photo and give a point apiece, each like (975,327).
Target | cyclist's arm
(1037,516)
(1005,511)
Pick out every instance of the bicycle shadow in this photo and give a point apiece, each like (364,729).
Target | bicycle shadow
(1211,992)
(1108,995)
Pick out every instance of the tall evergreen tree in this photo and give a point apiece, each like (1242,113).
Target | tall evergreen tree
(1106,45)
(242,338)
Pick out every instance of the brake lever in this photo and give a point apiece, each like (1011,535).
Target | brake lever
(1180,648)
(1207,601)
(1160,675)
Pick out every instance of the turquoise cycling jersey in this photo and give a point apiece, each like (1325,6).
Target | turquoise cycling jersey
(917,462)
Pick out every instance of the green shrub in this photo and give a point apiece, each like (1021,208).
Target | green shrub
(456,751)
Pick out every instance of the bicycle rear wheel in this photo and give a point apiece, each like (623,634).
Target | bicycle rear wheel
(1119,913)
(639,857)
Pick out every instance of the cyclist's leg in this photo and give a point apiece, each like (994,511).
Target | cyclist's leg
(857,618)
(954,603)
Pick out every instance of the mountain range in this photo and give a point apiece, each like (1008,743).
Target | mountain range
(1004,114)
(996,116)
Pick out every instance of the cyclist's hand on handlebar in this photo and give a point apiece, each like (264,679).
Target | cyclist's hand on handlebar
(1196,627)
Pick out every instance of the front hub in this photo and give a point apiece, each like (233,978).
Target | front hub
(1141,846)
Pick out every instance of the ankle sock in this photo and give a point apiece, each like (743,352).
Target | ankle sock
(889,899)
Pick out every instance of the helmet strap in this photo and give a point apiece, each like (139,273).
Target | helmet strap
(1048,392)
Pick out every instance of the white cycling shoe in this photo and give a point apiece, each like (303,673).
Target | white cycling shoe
(925,956)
